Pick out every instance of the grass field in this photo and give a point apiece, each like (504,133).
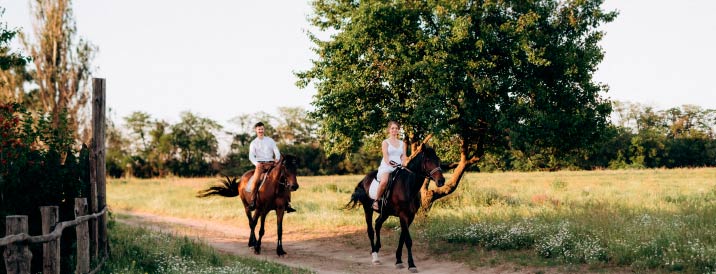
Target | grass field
(647,220)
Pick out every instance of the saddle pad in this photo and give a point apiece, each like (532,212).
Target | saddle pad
(373,191)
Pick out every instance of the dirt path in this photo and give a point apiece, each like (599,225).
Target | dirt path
(323,254)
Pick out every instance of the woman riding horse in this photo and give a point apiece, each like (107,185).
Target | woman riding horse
(403,200)
(273,194)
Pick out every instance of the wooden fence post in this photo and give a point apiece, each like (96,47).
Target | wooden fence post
(17,255)
(98,130)
(94,242)
(83,262)
(51,249)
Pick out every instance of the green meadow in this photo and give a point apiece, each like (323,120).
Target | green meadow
(644,220)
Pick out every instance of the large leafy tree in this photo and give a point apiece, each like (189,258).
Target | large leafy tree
(61,63)
(195,143)
(490,75)
(151,146)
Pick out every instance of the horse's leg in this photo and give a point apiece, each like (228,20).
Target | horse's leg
(257,248)
(279,232)
(378,225)
(252,225)
(368,212)
(405,222)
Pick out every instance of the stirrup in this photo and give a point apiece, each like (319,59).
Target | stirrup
(376,204)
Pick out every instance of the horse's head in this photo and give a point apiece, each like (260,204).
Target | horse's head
(288,166)
(429,164)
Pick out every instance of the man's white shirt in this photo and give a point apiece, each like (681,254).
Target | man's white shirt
(262,150)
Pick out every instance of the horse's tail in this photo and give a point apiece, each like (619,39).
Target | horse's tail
(230,188)
(359,194)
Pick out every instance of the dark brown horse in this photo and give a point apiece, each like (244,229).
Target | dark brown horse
(403,200)
(273,194)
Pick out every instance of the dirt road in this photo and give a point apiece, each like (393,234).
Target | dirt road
(323,253)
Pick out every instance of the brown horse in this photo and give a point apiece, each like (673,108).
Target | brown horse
(403,200)
(273,194)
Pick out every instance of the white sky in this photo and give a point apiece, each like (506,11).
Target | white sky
(220,59)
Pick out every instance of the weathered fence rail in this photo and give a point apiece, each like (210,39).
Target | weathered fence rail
(17,252)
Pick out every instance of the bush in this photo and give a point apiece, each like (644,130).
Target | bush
(38,161)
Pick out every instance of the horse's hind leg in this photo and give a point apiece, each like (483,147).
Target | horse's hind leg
(371,233)
(279,232)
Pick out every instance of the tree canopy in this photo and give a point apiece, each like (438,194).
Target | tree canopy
(491,74)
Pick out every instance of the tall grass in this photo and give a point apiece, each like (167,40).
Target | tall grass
(139,250)
(643,219)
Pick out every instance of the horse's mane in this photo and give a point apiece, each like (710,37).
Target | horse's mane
(290,161)
(412,182)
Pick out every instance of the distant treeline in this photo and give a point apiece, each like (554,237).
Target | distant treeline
(639,137)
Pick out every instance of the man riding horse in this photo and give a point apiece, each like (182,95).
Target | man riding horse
(264,154)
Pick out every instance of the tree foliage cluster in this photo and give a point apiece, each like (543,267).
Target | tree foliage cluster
(675,137)
(39,166)
(42,100)
(489,74)
(145,147)
(639,136)
(56,79)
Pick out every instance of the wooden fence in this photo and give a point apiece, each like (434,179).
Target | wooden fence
(91,229)
(17,252)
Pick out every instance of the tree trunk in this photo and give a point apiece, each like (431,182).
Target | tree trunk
(429,196)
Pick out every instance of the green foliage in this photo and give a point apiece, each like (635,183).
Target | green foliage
(677,137)
(498,75)
(196,145)
(8,58)
(39,162)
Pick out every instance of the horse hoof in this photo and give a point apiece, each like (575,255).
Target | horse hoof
(399,266)
(376,261)
(413,270)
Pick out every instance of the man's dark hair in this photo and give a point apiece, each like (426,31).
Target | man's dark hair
(259,124)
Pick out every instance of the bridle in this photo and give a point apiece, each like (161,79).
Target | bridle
(283,177)
(422,166)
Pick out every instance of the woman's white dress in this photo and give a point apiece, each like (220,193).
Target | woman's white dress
(394,154)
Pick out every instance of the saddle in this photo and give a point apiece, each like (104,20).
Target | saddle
(388,187)
(266,168)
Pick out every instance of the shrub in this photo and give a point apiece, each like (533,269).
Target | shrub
(39,162)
